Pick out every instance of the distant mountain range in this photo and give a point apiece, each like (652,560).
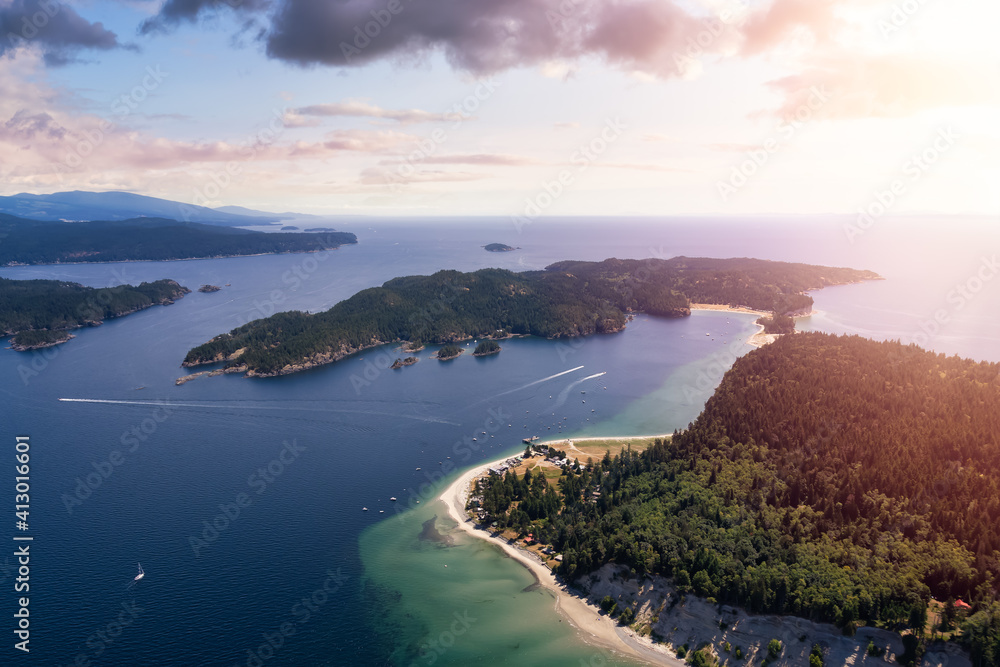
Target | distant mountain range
(78,206)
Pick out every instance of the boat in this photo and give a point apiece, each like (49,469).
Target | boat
(140,575)
(418,468)
(393,499)
(364,509)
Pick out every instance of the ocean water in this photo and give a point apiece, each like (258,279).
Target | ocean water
(243,498)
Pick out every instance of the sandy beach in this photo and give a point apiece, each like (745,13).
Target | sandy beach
(693,622)
(728,309)
(596,628)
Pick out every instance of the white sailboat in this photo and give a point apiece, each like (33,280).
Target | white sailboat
(140,575)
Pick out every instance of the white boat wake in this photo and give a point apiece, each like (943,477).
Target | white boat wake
(257,407)
(564,394)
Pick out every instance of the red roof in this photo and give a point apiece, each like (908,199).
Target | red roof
(962,605)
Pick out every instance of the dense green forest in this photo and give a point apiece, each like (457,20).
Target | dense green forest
(835,478)
(755,283)
(566,299)
(777,324)
(449,352)
(37,242)
(38,312)
(485,348)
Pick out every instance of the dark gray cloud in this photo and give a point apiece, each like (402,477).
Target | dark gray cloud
(174,12)
(479,35)
(483,36)
(54,27)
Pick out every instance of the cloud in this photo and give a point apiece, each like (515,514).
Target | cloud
(639,167)
(655,137)
(24,126)
(363,109)
(485,36)
(860,86)
(784,19)
(495,159)
(53,27)
(733,147)
(390,177)
(174,12)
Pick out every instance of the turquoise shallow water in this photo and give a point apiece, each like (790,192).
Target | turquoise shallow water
(462,602)
(365,431)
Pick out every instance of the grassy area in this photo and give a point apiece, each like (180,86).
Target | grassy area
(583,448)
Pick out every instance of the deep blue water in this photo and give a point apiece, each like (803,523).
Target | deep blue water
(364,430)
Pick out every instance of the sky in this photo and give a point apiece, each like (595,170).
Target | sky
(520,108)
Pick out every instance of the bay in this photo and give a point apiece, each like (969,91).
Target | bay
(360,432)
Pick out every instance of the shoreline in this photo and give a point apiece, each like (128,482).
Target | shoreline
(596,627)
(728,309)
(178,259)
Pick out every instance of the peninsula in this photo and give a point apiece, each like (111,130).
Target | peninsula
(812,509)
(40,313)
(145,239)
(567,299)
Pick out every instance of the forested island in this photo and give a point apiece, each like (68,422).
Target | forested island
(834,478)
(566,299)
(40,313)
(498,247)
(448,352)
(52,242)
(400,363)
(486,348)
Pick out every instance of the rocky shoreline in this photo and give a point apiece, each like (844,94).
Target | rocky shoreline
(17,347)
